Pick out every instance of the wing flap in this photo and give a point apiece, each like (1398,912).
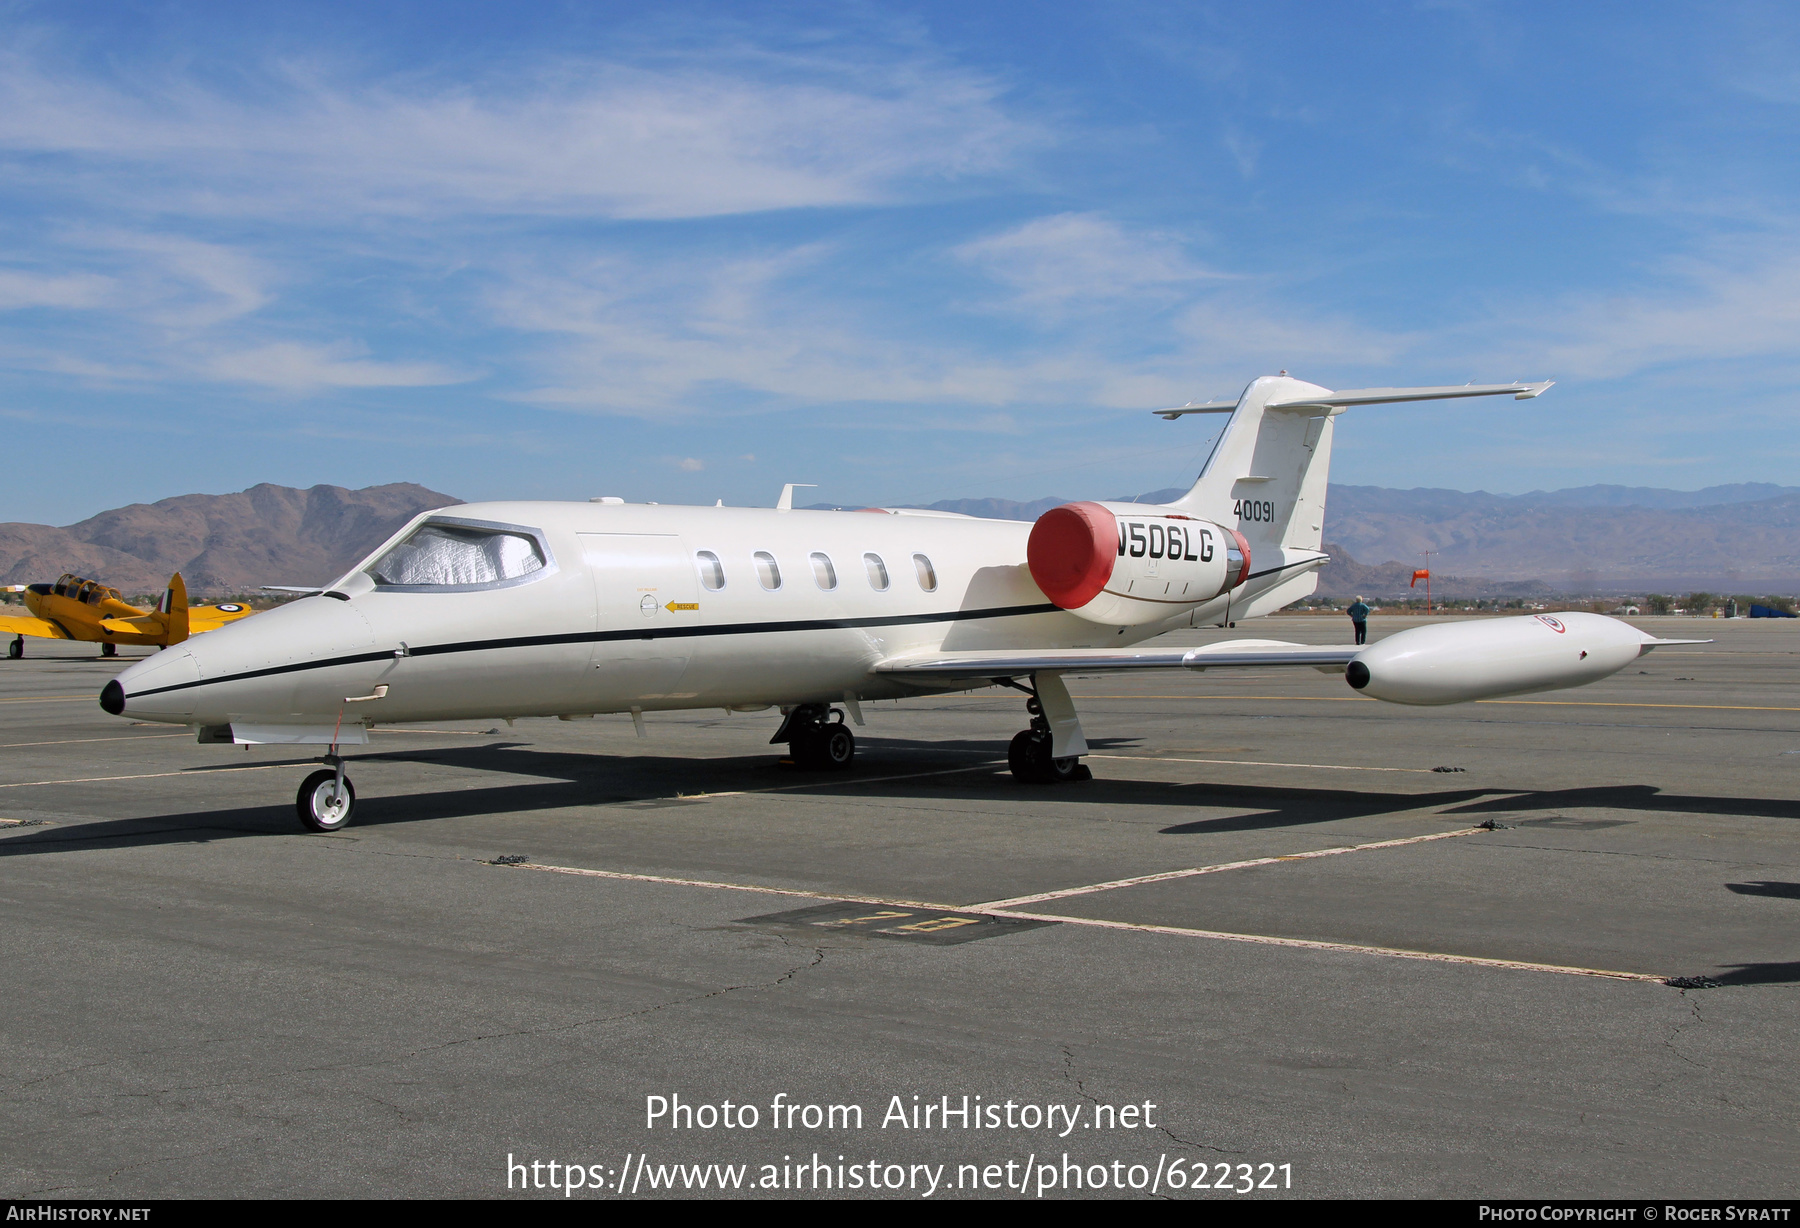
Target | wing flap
(1230,654)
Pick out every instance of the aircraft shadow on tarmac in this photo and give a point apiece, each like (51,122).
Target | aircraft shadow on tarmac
(573,780)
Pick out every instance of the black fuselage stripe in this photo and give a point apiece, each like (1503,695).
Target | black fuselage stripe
(598,637)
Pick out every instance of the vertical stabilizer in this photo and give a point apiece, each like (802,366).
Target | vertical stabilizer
(174,610)
(1267,474)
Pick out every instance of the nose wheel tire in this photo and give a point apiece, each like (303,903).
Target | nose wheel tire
(321,805)
(1029,758)
(829,747)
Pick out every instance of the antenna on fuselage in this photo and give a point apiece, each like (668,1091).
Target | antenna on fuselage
(786,502)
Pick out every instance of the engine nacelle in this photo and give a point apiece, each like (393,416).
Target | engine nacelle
(1124,564)
(1483,659)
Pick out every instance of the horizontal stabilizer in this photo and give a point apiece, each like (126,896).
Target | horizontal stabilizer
(1393,396)
(1197,407)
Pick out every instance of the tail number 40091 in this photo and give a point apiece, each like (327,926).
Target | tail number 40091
(1262,510)
(1161,541)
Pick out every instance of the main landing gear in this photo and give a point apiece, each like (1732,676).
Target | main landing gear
(109,650)
(16,649)
(817,738)
(327,799)
(1029,753)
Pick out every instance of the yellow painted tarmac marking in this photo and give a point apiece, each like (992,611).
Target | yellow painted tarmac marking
(265,767)
(1595,703)
(1363,699)
(136,737)
(1168,875)
(461,733)
(1309,944)
(1324,767)
(821,784)
(32,699)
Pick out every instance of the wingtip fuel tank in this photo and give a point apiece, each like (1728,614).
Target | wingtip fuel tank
(1456,662)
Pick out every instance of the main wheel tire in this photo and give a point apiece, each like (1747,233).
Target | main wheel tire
(837,747)
(15,649)
(1028,755)
(109,650)
(1029,758)
(823,748)
(320,806)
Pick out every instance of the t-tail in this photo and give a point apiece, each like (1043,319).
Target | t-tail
(1268,472)
(1246,540)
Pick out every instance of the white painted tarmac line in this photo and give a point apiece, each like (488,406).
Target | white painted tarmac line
(1323,767)
(1169,875)
(88,780)
(1436,957)
(714,886)
(1308,944)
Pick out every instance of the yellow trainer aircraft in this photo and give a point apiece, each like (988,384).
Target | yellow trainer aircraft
(77,609)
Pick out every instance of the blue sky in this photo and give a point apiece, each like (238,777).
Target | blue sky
(905,251)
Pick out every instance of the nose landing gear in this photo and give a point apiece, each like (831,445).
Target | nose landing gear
(1029,755)
(817,738)
(327,799)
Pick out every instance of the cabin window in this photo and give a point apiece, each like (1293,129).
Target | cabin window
(878,577)
(927,575)
(461,555)
(768,571)
(823,571)
(712,572)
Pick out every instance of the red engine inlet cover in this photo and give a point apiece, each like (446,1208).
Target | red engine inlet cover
(1072,551)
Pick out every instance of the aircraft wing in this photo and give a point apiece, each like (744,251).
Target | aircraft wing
(1230,654)
(25,624)
(210,617)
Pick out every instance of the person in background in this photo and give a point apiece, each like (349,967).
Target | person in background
(1359,618)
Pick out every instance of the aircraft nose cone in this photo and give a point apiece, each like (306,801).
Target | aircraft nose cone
(112,698)
(1356,674)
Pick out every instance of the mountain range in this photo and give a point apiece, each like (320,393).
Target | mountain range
(220,543)
(1742,538)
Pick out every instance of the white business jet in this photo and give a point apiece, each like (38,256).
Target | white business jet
(506,610)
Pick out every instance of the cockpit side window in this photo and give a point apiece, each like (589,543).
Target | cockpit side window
(462,556)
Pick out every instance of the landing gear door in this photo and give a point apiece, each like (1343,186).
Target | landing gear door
(646,594)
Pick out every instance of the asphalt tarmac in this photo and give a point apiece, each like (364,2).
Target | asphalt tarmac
(199,999)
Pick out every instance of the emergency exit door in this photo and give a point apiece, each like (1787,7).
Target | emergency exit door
(646,595)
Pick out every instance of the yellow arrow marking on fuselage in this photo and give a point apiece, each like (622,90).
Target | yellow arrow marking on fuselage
(681,605)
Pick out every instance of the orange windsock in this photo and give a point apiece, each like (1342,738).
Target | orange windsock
(1421,574)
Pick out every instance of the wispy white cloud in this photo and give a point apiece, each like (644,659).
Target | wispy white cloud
(294,367)
(1083,259)
(20,288)
(569,136)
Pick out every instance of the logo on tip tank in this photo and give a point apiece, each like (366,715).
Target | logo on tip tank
(1552,623)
